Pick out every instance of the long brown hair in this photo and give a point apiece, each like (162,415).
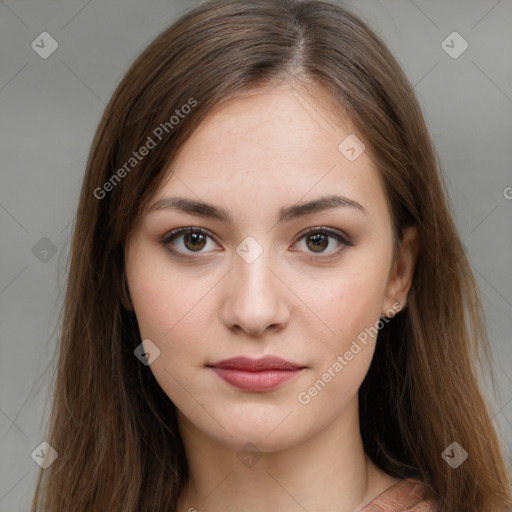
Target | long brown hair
(113,427)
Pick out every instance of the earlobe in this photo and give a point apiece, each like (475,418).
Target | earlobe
(400,279)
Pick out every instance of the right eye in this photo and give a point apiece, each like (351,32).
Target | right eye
(190,240)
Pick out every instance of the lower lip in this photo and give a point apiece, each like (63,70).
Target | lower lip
(256,381)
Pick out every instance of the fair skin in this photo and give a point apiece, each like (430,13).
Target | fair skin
(253,156)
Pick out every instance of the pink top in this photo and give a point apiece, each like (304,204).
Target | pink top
(403,496)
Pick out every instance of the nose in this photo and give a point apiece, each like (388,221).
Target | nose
(255,297)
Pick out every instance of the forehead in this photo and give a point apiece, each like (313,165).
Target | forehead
(269,148)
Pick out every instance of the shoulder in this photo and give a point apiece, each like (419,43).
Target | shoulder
(407,495)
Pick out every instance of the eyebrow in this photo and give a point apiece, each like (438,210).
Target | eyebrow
(288,213)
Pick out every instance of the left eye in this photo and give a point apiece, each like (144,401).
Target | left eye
(194,240)
(317,240)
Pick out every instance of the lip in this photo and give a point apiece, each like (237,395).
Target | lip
(262,374)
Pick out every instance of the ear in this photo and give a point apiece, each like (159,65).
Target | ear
(400,277)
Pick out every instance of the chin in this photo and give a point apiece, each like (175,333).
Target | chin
(268,432)
(243,438)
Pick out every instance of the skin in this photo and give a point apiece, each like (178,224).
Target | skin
(252,156)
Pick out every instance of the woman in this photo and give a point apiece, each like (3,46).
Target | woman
(267,300)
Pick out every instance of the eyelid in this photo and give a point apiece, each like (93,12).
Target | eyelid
(339,235)
(189,229)
(175,233)
(331,231)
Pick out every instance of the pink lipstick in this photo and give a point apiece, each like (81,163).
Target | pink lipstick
(263,374)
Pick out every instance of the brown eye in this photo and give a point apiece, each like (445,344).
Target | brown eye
(186,241)
(319,242)
(194,241)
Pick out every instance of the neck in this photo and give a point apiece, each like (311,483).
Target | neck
(329,471)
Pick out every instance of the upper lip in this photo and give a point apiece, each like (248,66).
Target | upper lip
(254,365)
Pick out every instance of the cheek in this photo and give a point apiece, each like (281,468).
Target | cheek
(171,313)
(174,319)
(348,303)
(163,299)
(351,309)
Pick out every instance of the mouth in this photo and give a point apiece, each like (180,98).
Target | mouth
(256,375)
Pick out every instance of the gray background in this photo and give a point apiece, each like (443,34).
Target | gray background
(50,109)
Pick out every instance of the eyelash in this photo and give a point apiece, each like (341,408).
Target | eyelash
(172,235)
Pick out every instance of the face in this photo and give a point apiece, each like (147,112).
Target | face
(256,276)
